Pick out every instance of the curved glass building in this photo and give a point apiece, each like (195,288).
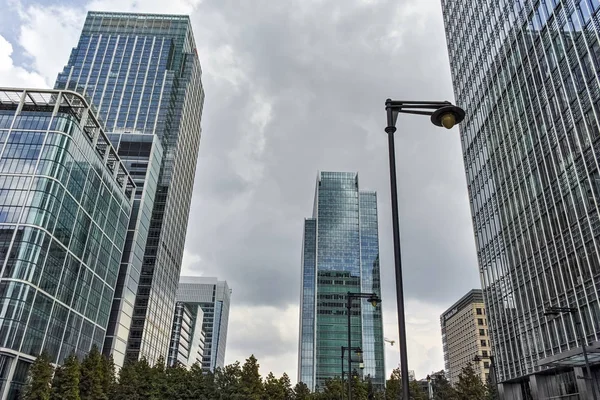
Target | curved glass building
(65,202)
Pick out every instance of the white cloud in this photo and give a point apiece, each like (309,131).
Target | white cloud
(425,353)
(268,332)
(61,25)
(15,76)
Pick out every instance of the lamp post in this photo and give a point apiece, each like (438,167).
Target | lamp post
(429,388)
(442,113)
(580,335)
(358,352)
(372,298)
(478,359)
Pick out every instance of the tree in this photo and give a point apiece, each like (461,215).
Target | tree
(469,386)
(92,378)
(108,376)
(128,386)
(38,381)
(274,389)
(227,381)
(442,390)
(65,384)
(287,386)
(178,387)
(301,391)
(416,393)
(392,387)
(250,380)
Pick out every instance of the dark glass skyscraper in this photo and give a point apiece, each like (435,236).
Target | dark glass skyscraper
(528,75)
(143,75)
(340,254)
(65,201)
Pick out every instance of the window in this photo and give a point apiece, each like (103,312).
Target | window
(484,353)
(483,343)
(478,311)
(479,321)
(482,332)
(486,364)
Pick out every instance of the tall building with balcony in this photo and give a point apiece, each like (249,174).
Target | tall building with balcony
(188,337)
(205,302)
(142,73)
(340,254)
(528,75)
(65,202)
(465,337)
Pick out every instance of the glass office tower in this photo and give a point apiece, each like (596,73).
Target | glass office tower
(213,297)
(527,73)
(340,254)
(65,201)
(143,74)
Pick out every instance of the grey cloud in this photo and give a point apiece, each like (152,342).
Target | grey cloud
(325,68)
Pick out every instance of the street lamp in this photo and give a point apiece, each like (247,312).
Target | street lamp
(372,298)
(442,113)
(429,389)
(358,351)
(550,311)
(478,360)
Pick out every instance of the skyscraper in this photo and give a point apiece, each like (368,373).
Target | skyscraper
(65,201)
(142,73)
(527,73)
(465,336)
(340,254)
(206,299)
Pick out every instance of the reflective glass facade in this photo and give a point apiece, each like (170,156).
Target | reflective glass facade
(143,74)
(65,202)
(340,254)
(213,297)
(527,73)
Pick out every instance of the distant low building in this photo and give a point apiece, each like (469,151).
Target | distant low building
(200,323)
(188,336)
(465,335)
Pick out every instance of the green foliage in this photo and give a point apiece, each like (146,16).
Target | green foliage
(442,390)
(107,367)
(250,380)
(274,389)
(65,384)
(469,386)
(38,382)
(92,377)
(287,387)
(128,386)
(301,392)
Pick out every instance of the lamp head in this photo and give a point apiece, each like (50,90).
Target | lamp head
(359,352)
(374,300)
(361,365)
(428,378)
(448,116)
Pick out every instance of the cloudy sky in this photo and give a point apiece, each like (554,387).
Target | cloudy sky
(293,87)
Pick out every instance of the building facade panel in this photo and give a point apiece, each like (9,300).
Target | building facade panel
(527,74)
